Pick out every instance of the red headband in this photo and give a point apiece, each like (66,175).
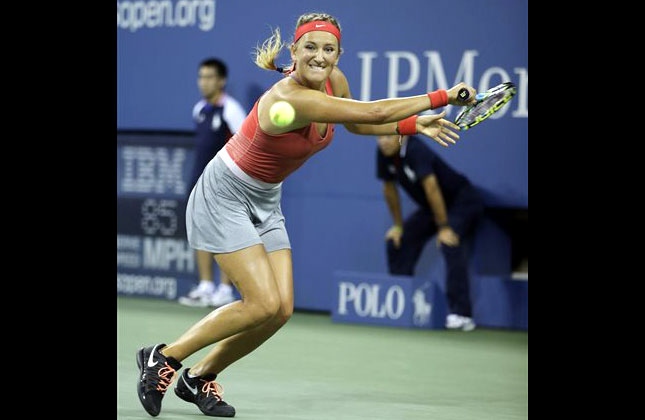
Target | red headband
(317,25)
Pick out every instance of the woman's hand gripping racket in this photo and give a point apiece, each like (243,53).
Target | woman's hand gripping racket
(487,104)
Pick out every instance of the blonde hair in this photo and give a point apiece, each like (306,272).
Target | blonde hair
(265,55)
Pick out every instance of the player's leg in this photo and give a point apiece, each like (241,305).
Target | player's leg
(251,272)
(233,348)
(197,384)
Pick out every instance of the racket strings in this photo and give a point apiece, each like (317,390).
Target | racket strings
(481,108)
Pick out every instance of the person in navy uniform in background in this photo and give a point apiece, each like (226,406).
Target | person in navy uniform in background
(217,117)
(449,207)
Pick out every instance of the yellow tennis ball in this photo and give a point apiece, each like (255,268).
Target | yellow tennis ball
(282,113)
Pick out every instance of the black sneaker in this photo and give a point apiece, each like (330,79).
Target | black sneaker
(204,392)
(156,374)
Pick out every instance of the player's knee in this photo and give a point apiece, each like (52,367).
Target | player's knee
(284,314)
(265,309)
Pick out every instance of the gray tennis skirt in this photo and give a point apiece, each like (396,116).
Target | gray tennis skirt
(228,210)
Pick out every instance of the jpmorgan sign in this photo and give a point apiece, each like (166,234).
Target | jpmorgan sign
(380,299)
(436,77)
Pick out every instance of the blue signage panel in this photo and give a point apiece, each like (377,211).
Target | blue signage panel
(379,299)
(153,256)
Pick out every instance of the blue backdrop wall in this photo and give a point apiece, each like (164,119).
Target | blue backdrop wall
(335,212)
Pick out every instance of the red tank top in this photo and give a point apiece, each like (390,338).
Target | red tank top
(272,157)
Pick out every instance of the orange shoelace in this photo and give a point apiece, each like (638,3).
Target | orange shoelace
(213,387)
(166,376)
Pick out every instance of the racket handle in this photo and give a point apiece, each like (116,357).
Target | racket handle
(463,94)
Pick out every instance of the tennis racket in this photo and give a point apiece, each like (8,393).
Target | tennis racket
(487,104)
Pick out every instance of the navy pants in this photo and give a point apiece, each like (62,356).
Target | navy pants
(420,227)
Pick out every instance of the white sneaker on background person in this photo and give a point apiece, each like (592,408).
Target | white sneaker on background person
(222,296)
(200,296)
(458,322)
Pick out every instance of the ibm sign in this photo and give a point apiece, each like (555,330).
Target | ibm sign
(379,299)
(153,257)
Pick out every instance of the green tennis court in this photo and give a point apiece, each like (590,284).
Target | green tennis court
(316,369)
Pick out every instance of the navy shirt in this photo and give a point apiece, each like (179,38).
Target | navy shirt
(214,125)
(413,164)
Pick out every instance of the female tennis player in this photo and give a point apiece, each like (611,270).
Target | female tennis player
(234,209)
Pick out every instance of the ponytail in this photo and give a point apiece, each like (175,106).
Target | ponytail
(266,54)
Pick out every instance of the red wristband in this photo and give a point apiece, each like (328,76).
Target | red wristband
(408,126)
(438,98)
